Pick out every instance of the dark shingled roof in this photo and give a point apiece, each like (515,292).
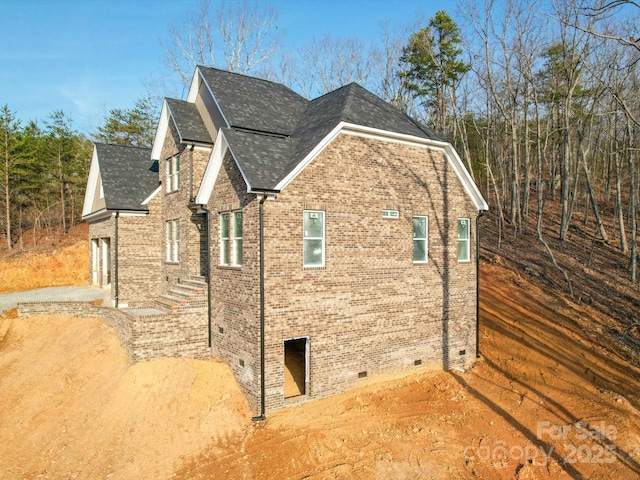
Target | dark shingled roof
(295,125)
(128,174)
(188,122)
(254,104)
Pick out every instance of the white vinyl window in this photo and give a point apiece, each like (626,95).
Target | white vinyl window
(231,239)
(173,174)
(464,240)
(173,240)
(313,238)
(420,239)
(224,239)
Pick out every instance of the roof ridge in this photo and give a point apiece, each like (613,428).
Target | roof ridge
(121,145)
(264,80)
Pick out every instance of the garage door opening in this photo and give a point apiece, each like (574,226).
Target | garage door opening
(296,367)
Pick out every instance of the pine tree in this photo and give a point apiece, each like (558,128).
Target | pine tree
(434,66)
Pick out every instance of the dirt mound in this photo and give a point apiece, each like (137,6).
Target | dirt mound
(73,407)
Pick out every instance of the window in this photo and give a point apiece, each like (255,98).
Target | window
(420,229)
(173,240)
(231,239)
(173,174)
(313,239)
(237,238)
(464,232)
(224,239)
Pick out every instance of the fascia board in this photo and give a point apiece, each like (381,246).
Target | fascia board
(213,169)
(193,88)
(92,184)
(150,197)
(309,158)
(97,215)
(173,120)
(193,95)
(352,129)
(161,132)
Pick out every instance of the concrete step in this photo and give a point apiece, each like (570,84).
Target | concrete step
(184,291)
(199,285)
(168,303)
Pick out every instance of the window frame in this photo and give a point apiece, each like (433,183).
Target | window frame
(173,174)
(236,240)
(306,238)
(466,240)
(172,239)
(425,239)
(229,256)
(224,241)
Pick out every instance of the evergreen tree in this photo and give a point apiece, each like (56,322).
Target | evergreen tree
(10,145)
(135,127)
(433,66)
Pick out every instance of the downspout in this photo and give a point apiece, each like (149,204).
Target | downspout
(207,213)
(191,198)
(115,261)
(261,417)
(481,213)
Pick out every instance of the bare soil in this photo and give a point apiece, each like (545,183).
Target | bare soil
(56,260)
(555,395)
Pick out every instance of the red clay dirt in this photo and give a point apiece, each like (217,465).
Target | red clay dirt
(552,397)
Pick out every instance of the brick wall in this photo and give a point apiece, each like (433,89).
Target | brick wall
(175,206)
(370,309)
(180,334)
(235,293)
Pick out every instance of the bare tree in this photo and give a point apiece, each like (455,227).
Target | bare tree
(236,36)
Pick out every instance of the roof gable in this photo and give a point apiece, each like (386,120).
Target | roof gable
(188,122)
(273,133)
(128,177)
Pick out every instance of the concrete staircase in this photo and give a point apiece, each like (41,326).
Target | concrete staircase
(189,293)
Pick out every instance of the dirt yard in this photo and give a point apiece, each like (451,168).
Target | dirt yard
(551,398)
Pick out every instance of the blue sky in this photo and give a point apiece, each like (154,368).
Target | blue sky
(86,57)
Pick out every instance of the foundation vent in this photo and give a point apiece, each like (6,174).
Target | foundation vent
(362,374)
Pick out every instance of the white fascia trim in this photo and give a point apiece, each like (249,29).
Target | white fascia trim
(193,88)
(193,94)
(161,132)
(124,213)
(309,158)
(212,170)
(97,214)
(92,184)
(150,197)
(352,129)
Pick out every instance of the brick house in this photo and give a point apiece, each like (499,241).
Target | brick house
(121,180)
(337,236)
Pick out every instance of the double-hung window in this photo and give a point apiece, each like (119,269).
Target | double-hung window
(173,174)
(313,238)
(173,240)
(420,239)
(464,240)
(231,239)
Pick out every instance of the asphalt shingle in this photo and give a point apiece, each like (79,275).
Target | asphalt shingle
(188,122)
(128,174)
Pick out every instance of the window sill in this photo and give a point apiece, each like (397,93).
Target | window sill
(171,263)
(230,267)
(312,267)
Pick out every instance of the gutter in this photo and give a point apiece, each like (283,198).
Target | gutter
(481,213)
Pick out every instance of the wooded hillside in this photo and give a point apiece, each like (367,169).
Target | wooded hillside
(540,99)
